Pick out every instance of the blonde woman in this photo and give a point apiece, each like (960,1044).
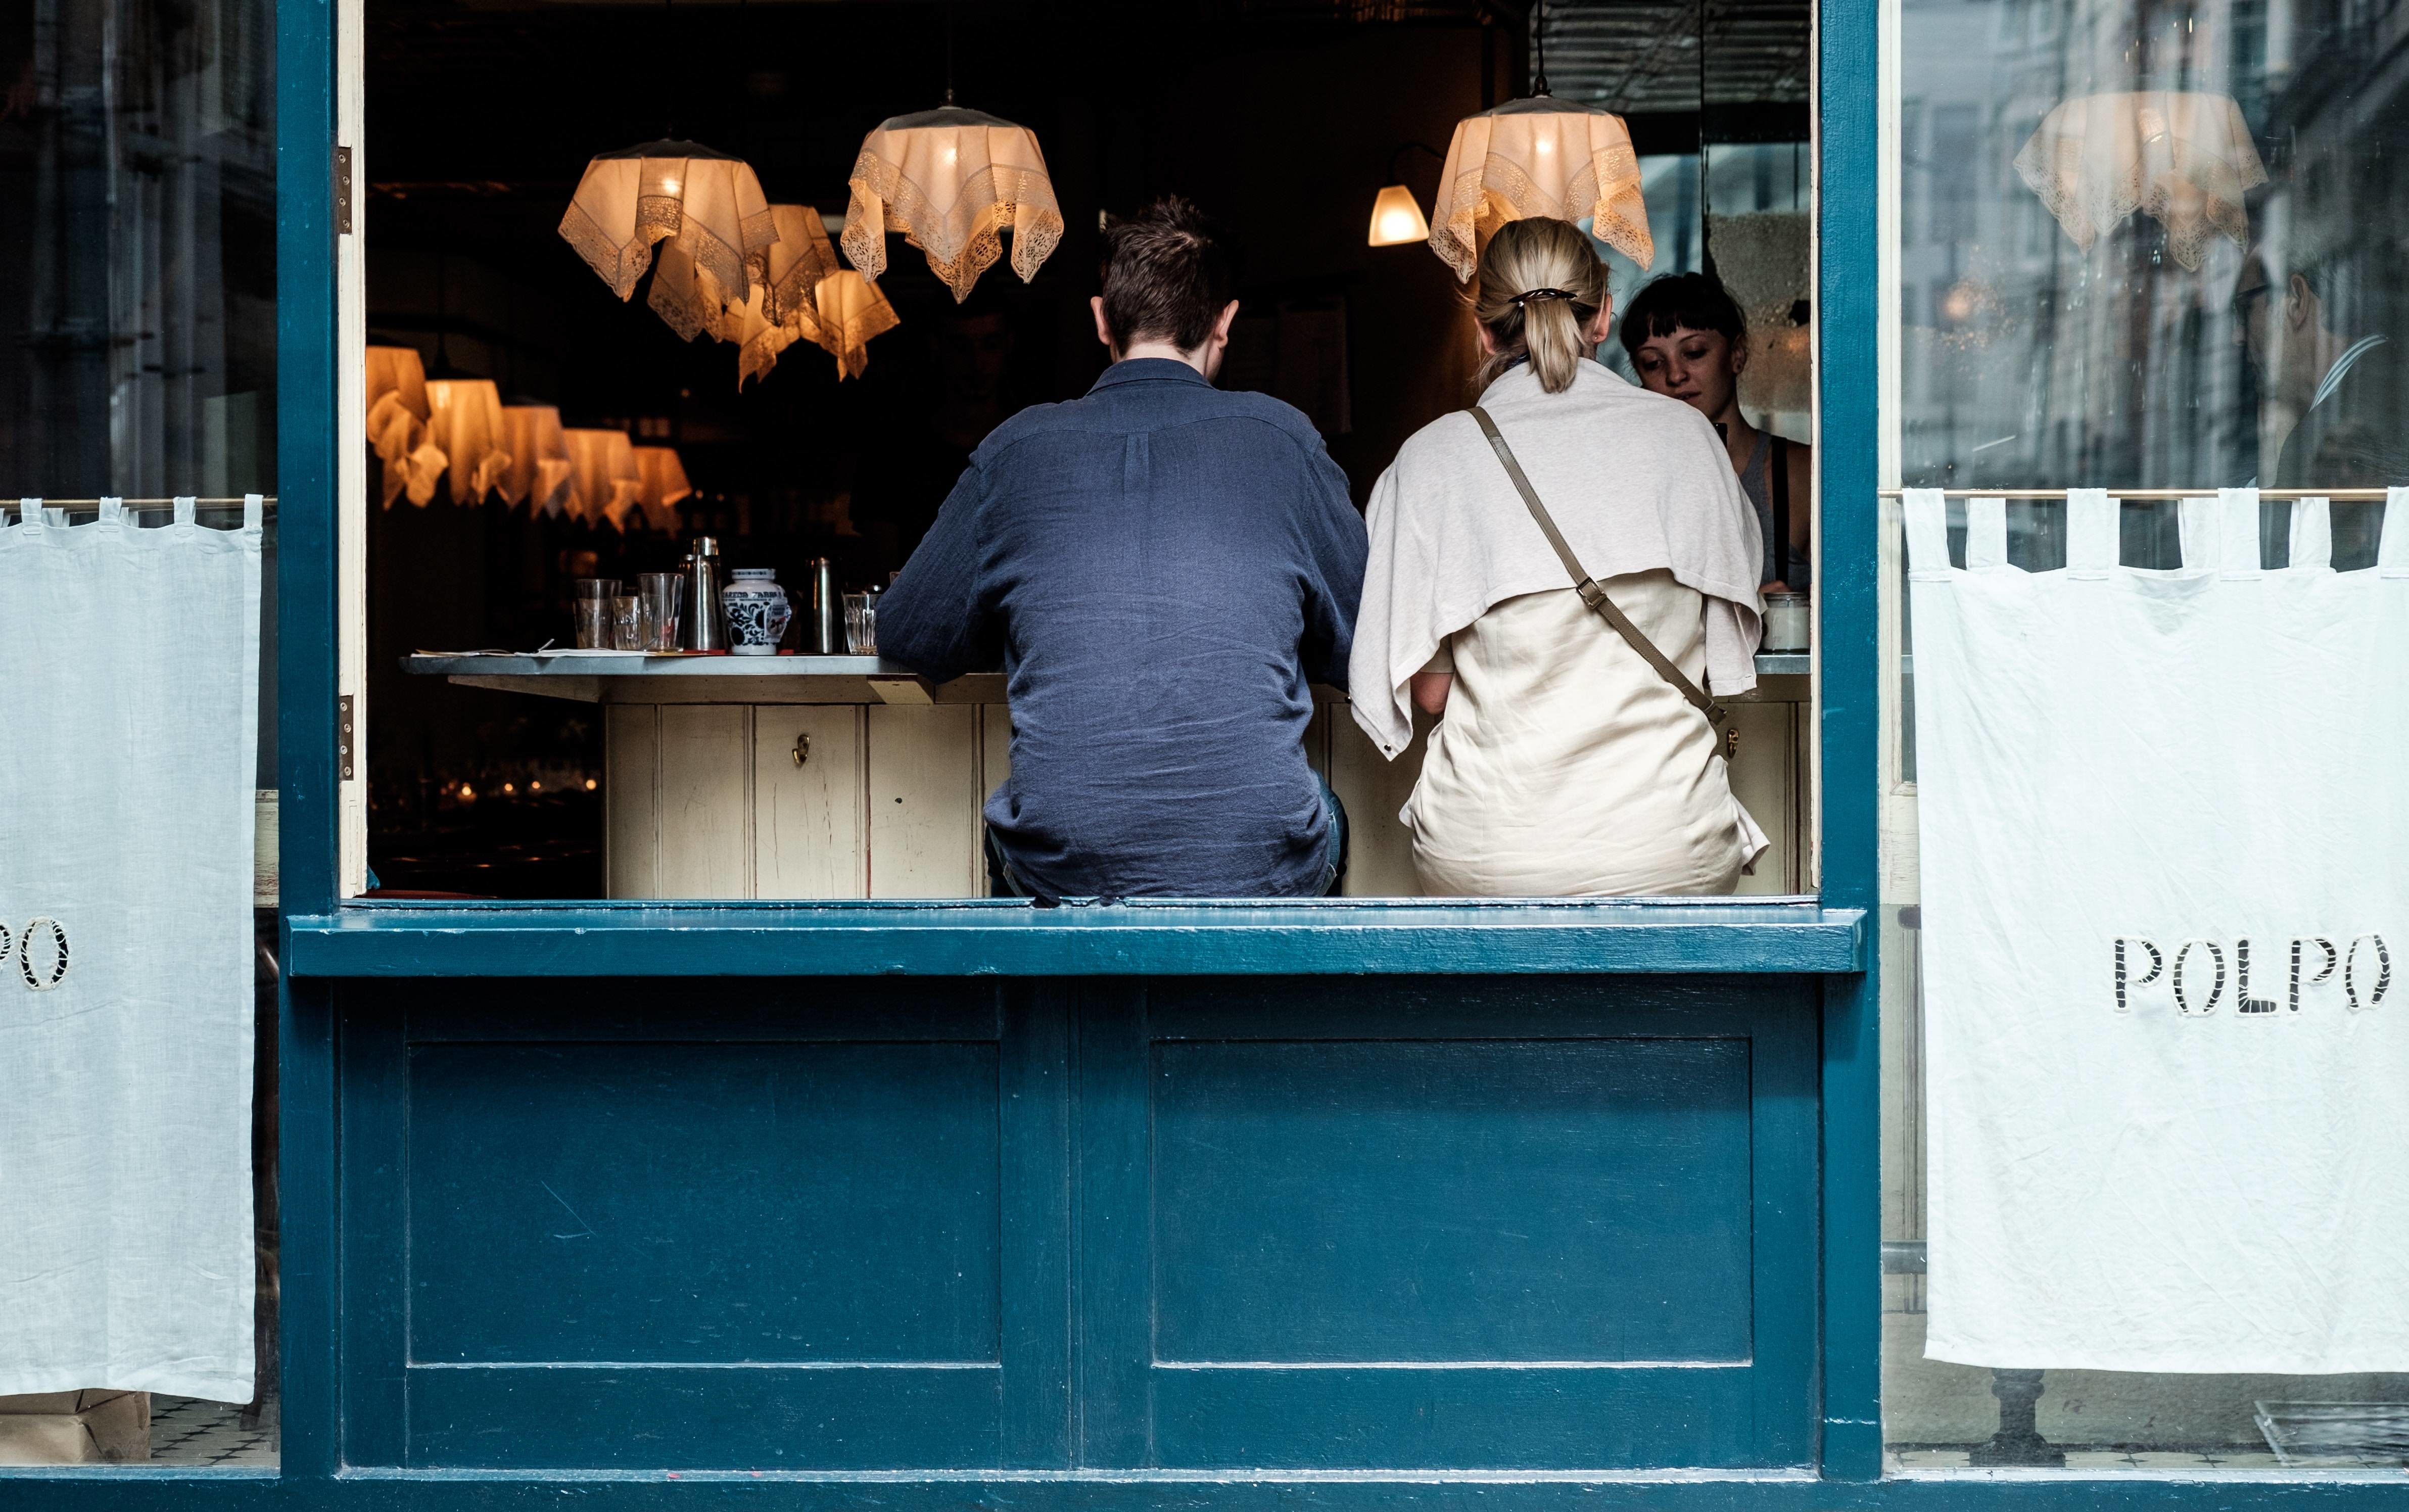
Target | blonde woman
(1563,763)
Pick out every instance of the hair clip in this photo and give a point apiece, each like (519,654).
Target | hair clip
(1543,294)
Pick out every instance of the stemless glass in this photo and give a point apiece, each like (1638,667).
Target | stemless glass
(664,594)
(628,623)
(861,623)
(591,599)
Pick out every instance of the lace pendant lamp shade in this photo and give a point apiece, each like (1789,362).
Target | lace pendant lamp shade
(784,307)
(706,207)
(604,484)
(952,180)
(851,312)
(397,415)
(2184,160)
(758,343)
(538,473)
(467,422)
(1539,156)
(661,482)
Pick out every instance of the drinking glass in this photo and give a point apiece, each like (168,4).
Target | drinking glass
(663,593)
(628,623)
(861,623)
(591,599)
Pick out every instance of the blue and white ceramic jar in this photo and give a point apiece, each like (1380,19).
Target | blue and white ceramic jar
(758,612)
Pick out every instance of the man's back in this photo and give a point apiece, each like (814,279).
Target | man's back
(1161,568)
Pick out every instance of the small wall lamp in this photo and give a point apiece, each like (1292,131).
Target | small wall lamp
(1397,216)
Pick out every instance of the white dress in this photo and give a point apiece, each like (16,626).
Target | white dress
(1565,766)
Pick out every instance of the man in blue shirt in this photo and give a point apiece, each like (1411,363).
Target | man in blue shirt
(1161,568)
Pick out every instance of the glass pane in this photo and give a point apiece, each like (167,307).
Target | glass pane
(2150,244)
(2139,245)
(138,275)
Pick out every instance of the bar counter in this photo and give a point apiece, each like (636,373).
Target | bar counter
(815,777)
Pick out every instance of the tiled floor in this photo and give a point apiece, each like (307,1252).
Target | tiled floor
(2095,1457)
(188,1432)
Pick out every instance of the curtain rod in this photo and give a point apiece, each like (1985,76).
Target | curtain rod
(2341,495)
(266,501)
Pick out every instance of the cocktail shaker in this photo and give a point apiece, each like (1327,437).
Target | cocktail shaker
(706,629)
(824,615)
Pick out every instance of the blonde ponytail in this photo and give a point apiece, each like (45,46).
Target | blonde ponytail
(1539,283)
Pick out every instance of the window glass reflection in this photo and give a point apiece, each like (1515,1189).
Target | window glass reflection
(2153,245)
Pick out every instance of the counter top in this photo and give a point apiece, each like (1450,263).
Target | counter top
(633,677)
(1004,937)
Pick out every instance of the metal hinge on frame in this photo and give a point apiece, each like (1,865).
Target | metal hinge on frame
(343,195)
(345,744)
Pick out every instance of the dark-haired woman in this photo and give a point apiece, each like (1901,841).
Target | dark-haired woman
(1688,340)
(1564,764)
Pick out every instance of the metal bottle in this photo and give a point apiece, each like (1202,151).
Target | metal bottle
(705,629)
(824,615)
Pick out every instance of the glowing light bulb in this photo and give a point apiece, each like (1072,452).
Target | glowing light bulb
(669,186)
(589,784)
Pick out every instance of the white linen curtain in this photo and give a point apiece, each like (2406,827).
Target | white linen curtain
(127,744)
(2165,863)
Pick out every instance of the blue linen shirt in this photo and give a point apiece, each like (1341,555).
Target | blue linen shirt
(1162,567)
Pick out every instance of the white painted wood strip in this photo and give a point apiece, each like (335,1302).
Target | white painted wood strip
(995,769)
(1380,857)
(706,802)
(1765,779)
(924,802)
(632,829)
(809,817)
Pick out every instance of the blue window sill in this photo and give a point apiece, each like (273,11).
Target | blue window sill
(1004,938)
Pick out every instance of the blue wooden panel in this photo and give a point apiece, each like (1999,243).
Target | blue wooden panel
(1437,1223)
(759,1225)
(694,1204)
(1557,1200)
(751,1417)
(1520,1418)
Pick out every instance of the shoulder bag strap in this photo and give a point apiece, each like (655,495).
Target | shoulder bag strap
(1778,463)
(1591,593)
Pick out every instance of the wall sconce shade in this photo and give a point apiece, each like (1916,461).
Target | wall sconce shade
(1539,156)
(1398,218)
(952,180)
(2184,160)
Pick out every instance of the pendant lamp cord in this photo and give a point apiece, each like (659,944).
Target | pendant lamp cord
(949,54)
(668,95)
(1705,201)
(1539,41)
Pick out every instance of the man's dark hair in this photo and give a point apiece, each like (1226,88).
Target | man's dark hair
(1696,300)
(1168,276)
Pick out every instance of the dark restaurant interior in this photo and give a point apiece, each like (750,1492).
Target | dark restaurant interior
(1282,119)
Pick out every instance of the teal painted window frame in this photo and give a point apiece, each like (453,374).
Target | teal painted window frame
(327,940)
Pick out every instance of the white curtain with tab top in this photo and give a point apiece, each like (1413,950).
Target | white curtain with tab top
(128,739)
(2165,862)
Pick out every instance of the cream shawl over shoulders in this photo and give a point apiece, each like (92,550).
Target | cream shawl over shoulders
(1636,483)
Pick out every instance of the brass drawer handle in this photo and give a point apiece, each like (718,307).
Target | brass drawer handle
(802,751)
